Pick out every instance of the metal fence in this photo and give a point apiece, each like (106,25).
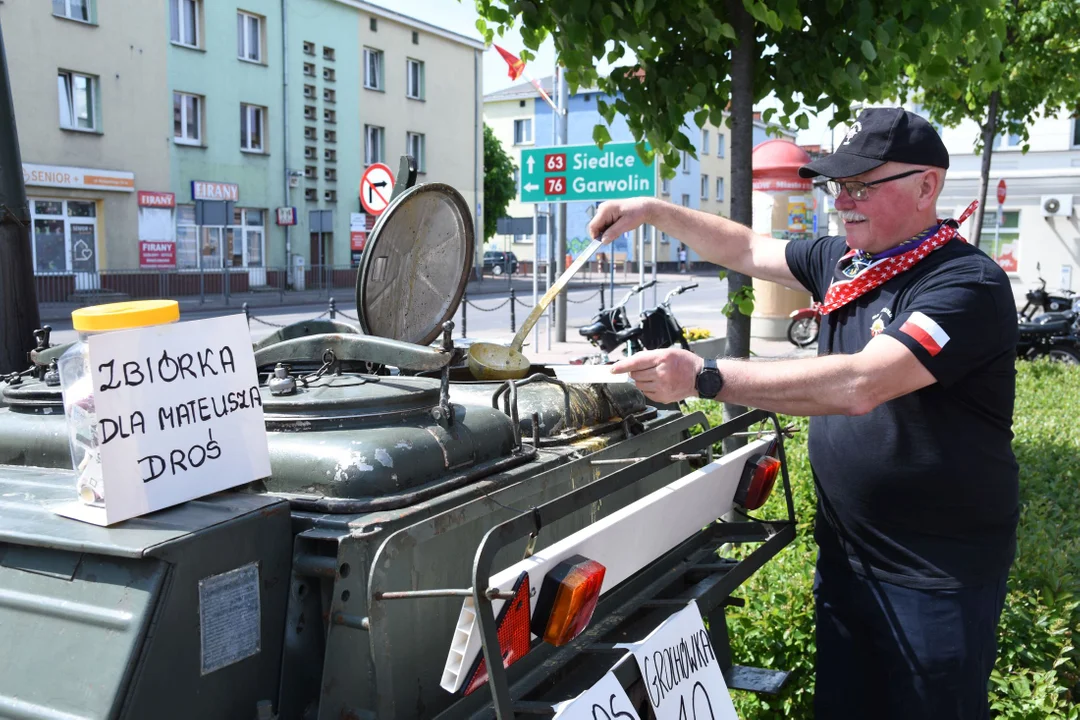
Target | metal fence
(140,284)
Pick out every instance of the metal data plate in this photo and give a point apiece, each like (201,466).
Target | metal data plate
(416,265)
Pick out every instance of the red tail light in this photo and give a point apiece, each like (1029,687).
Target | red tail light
(567,600)
(514,636)
(757,481)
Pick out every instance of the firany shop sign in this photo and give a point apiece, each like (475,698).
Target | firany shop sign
(203,190)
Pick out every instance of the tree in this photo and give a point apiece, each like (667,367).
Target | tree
(499,187)
(1030,66)
(699,56)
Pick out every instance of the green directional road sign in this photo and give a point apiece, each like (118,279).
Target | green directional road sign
(572,173)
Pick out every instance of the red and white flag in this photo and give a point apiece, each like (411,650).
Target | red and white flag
(517,69)
(926,332)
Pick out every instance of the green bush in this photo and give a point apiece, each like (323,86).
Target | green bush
(1037,675)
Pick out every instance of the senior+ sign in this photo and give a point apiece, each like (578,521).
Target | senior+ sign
(572,173)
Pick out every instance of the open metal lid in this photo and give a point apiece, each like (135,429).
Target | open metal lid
(416,265)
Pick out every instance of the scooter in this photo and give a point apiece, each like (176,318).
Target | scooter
(657,329)
(805,326)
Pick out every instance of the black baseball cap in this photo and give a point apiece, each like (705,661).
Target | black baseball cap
(877,136)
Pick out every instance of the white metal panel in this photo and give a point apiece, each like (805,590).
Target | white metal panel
(624,542)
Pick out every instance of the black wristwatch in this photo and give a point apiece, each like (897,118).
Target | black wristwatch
(709,381)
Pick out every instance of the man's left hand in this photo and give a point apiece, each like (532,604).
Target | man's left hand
(665,376)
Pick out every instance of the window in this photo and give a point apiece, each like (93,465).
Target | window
(330,155)
(75,9)
(329,116)
(415,38)
(685,162)
(329,95)
(309,69)
(414,145)
(187,237)
(330,136)
(185,15)
(720,145)
(311,172)
(719,189)
(705,135)
(1007,141)
(244,238)
(311,133)
(309,48)
(374,25)
(330,175)
(76,98)
(329,75)
(664,238)
(373,75)
(328,53)
(704,186)
(311,195)
(64,235)
(187,119)
(249,37)
(523,132)
(309,92)
(517,180)
(310,153)
(665,186)
(309,112)
(373,146)
(414,77)
(1076,132)
(1002,243)
(686,200)
(252,130)
(330,196)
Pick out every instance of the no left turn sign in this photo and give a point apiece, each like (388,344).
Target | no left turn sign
(376,185)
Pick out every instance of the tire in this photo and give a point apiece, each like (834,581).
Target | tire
(803,332)
(1065,355)
(496,270)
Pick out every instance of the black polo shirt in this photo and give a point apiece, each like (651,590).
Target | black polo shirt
(922,490)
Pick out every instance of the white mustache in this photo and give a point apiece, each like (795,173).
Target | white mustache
(851,216)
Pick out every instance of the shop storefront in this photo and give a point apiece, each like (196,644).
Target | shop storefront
(67,209)
(213,232)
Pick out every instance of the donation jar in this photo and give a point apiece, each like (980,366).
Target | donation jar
(77,385)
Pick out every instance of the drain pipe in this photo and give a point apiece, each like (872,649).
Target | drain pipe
(285,130)
(18,296)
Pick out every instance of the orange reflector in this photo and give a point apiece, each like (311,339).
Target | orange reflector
(515,639)
(567,600)
(757,481)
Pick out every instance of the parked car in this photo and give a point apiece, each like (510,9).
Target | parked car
(497,262)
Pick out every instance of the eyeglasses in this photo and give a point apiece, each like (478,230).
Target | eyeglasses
(858,190)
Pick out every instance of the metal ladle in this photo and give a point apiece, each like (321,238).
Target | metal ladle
(489,361)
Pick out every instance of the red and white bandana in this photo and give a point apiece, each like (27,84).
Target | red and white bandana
(841,292)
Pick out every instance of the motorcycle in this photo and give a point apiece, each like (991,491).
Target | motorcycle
(1053,335)
(1038,299)
(805,326)
(611,328)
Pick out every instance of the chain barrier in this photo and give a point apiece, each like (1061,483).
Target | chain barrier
(586,299)
(347,315)
(501,305)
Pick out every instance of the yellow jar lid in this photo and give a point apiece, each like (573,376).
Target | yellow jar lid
(125,315)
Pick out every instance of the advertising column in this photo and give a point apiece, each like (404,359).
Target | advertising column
(782,205)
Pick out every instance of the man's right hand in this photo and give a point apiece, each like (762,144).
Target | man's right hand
(615,217)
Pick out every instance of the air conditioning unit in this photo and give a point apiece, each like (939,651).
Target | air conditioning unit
(1056,205)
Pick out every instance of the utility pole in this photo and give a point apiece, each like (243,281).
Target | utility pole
(560,248)
(18,296)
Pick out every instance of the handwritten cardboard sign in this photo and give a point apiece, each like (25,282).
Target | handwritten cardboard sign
(179,416)
(682,675)
(606,700)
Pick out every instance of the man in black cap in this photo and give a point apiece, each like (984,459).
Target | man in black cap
(911,398)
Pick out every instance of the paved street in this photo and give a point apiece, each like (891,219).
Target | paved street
(696,308)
